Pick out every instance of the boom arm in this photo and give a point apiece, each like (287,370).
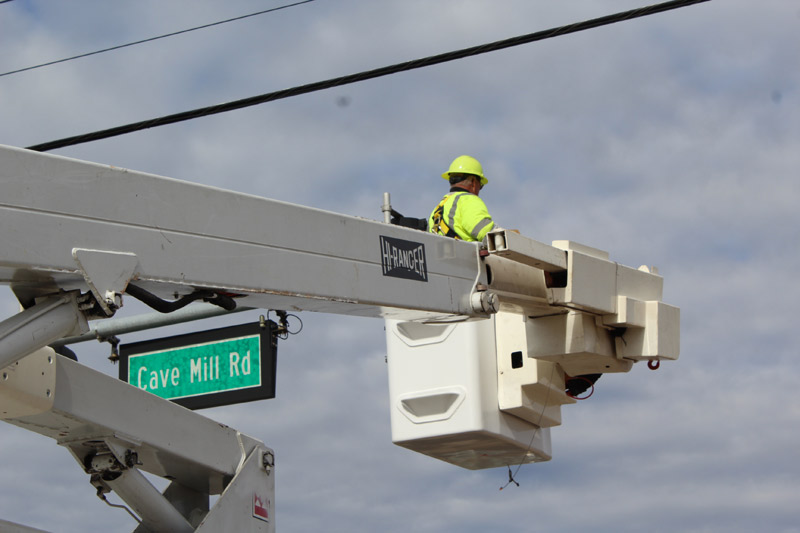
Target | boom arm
(174,237)
(73,225)
(77,236)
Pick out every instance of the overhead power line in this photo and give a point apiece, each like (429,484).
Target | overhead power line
(10,72)
(362,76)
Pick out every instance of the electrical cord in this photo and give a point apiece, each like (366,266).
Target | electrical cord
(204,26)
(362,76)
(165,306)
(283,331)
(535,431)
(116,505)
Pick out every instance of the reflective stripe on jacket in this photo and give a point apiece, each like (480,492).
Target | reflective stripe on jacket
(461,215)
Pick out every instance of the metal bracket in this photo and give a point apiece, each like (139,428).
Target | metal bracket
(268,461)
(512,245)
(484,302)
(107,274)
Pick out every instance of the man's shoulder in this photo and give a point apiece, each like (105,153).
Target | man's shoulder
(463,195)
(468,197)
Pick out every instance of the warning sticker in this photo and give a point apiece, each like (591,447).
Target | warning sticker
(261,508)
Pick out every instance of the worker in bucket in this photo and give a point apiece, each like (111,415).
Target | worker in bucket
(462,214)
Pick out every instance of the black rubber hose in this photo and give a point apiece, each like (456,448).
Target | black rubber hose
(165,306)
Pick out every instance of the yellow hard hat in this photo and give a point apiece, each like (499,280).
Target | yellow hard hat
(465,164)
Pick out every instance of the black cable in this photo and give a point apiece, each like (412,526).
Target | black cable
(149,39)
(362,76)
(100,490)
(538,426)
(5,1)
(165,306)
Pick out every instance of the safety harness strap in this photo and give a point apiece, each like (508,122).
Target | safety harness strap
(439,225)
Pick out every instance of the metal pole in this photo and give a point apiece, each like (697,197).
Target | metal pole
(387,208)
(117,326)
(38,326)
(156,512)
(11,527)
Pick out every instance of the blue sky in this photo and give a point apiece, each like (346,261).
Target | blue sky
(669,140)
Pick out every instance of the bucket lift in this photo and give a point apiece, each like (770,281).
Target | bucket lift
(481,337)
(484,394)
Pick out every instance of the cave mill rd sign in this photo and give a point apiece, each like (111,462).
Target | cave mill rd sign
(205,369)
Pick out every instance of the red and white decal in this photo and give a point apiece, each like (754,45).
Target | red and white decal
(261,508)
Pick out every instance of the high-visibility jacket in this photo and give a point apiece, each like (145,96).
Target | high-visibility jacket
(461,215)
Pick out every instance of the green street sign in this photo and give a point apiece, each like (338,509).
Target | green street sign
(205,369)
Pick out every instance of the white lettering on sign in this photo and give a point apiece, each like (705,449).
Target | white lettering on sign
(158,379)
(240,363)
(204,369)
(412,260)
(403,259)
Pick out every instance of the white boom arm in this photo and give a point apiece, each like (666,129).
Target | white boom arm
(77,236)
(114,430)
(68,224)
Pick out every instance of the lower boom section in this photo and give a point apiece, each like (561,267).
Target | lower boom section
(116,431)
